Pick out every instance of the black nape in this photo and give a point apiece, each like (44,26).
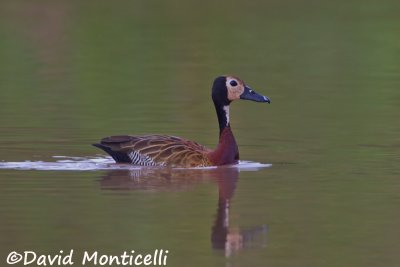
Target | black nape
(219,92)
(220,98)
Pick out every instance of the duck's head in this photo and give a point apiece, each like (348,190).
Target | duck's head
(229,88)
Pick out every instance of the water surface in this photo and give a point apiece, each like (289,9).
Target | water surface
(74,72)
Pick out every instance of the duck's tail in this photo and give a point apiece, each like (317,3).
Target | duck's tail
(118,156)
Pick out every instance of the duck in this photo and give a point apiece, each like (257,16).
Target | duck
(172,151)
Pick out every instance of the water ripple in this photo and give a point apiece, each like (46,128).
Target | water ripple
(67,163)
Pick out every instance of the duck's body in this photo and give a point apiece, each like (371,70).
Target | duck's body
(172,151)
(165,150)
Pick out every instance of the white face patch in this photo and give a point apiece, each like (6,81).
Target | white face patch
(226,109)
(235,87)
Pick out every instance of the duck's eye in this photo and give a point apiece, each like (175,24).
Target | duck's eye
(233,83)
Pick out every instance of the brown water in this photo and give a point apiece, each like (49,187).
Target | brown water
(73,72)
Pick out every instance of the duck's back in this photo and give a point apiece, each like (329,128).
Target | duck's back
(155,150)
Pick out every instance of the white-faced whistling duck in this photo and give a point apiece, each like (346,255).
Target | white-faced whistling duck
(172,151)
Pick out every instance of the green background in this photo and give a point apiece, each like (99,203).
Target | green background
(72,72)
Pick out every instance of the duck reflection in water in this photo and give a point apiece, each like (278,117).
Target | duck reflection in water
(224,236)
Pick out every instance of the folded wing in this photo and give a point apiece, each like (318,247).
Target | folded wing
(155,150)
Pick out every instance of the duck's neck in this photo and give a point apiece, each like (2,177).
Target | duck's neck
(227,151)
(223,116)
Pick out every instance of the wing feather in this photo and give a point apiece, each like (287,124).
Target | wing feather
(162,150)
